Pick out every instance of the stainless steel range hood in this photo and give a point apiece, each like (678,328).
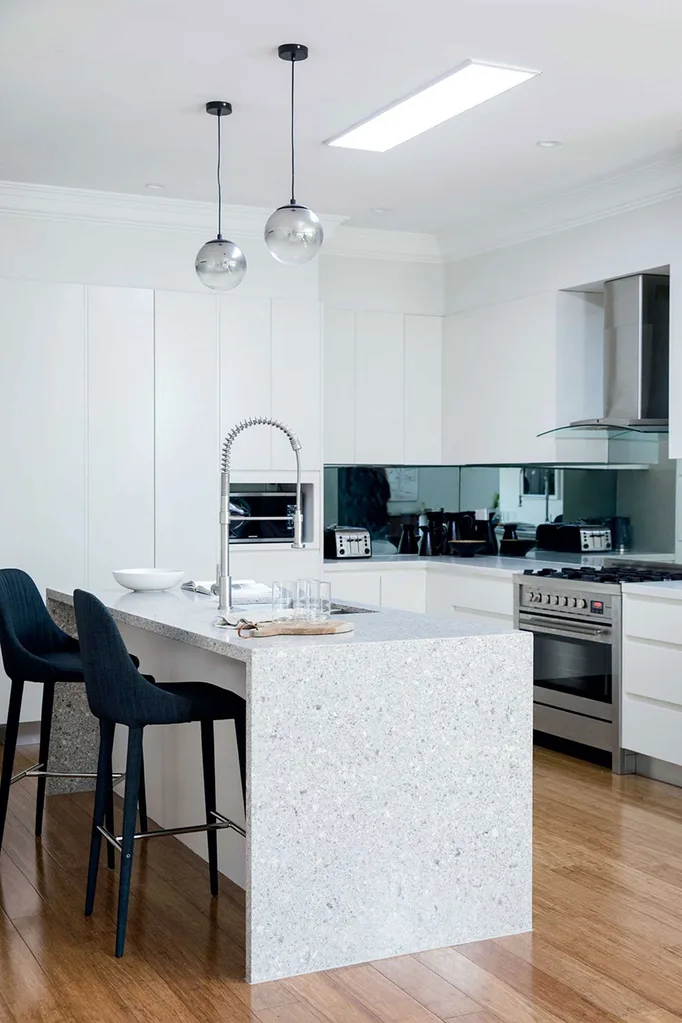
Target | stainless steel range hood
(636,359)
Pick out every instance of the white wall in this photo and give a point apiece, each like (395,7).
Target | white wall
(382,285)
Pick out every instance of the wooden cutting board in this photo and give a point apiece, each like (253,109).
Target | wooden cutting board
(263,629)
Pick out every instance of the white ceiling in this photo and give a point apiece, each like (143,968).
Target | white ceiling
(110,96)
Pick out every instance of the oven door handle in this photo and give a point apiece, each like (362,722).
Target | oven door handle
(557,627)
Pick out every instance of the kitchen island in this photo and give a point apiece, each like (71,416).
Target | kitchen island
(388,777)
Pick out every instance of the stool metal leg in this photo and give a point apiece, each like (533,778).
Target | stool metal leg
(106,742)
(208,760)
(142,799)
(11,733)
(133,766)
(109,803)
(44,752)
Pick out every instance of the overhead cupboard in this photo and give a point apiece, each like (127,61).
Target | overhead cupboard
(382,388)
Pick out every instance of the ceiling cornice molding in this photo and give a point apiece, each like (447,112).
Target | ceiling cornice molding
(397,246)
(53,203)
(637,187)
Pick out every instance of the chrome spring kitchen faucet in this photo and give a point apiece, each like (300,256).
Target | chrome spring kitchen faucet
(224,577)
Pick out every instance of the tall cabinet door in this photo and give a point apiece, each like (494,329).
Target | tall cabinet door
(339,386)
(296,381)
(245,375)
(379,388)
(42,441)
(187,440)
(423,389)
(120,334)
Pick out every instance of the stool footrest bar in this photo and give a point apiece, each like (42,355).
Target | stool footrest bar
(220,824)
(38,771)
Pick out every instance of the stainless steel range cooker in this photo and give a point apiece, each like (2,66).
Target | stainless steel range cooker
(574,614)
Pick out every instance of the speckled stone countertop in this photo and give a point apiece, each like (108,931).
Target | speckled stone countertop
(389,777)
(190,617)
(501,566)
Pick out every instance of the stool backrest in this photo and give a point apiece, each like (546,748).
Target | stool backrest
(116,689)
(26,629)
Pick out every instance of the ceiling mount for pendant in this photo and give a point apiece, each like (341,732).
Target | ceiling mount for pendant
(293,233)
(220,264)
(293,51)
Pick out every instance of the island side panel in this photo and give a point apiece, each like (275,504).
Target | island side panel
(390,800)
(74,740)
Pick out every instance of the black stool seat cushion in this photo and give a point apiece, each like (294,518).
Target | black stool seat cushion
(201,701)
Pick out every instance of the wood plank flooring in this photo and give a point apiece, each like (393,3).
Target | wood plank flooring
(607,944)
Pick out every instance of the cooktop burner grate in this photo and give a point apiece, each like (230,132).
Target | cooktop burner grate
(612,574)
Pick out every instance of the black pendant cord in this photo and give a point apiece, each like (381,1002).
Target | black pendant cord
(293,141)
(220,187)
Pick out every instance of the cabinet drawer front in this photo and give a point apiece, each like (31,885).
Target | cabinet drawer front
(493,596)
(651,618)
(362,587)
(652,729)
(652,671)
(404,591)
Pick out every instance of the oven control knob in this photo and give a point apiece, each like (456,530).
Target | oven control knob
(572,602)
(555,600)
(582,603)
(563,601)
(531,596)
(547,598)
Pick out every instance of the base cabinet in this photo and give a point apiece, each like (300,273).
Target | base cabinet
(399,591)
(652,677)
(462,591)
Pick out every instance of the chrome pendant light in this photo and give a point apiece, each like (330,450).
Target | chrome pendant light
(293,233)
(220,264)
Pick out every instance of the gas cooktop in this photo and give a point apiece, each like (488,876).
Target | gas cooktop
(627,573)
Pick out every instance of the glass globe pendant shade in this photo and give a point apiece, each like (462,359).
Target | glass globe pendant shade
(220,265)
(293,234)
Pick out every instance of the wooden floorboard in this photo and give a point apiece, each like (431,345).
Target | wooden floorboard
(607,944)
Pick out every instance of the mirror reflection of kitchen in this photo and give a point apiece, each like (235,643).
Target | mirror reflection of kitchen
(637,505)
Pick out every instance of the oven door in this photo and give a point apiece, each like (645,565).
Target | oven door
(573,664)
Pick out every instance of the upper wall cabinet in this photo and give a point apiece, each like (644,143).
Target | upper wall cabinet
(499,382)
(270,365)
(382,388)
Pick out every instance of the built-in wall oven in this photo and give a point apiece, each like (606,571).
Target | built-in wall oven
(576,631)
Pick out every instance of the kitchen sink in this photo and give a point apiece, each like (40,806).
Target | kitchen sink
(348,609)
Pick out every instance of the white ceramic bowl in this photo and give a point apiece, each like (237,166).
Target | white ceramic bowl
(144,579)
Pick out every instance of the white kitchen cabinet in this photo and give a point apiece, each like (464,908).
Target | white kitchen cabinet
(382,388)
(120,389)
(652,677)
(245,375)
(187,439)
(296,375)
(362,587)
(379,388)
(423,390)
(42,453)
(404,591)
(270,365)
(499,382)
(452,591)
(339,386)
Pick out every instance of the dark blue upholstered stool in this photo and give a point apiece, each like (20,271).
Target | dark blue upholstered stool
(119,694)
(34,649)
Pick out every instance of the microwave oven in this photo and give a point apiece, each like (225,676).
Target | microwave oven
(273,506)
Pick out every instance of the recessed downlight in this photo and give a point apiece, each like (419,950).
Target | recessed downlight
(154,186)
(381,209)
(469,84)
(548,143)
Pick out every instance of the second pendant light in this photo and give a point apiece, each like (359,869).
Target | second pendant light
(293,233)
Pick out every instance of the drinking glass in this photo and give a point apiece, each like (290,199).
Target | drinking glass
(319,600)
(284,598)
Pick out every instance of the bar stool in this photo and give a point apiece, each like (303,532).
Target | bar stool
(119,694)
(34,649)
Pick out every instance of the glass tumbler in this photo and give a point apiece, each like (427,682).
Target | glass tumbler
(284,599)
(319,602)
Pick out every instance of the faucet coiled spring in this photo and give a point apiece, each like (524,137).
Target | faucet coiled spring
(254,421)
